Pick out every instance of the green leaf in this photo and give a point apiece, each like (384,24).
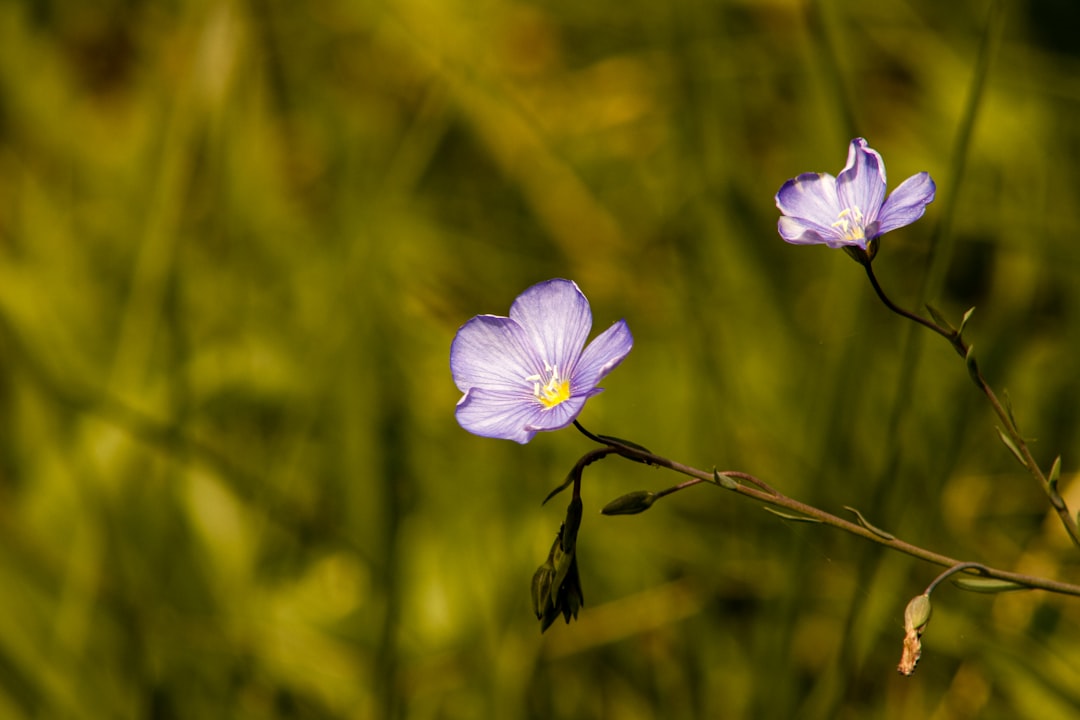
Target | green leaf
(1055,474)
(973,366)
(866,524)
(793,518)
(987,585)
(1006,400)
(574,474)
(614,441)
(1012,446)
(964,320)
(939,318)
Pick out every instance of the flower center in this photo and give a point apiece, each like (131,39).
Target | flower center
(850,224)
(552,392)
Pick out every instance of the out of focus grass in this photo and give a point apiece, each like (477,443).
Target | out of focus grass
(236,240)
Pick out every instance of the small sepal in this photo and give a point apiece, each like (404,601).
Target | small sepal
(862,256)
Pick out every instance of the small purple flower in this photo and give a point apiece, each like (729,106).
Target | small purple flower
(531,371)
(850,211)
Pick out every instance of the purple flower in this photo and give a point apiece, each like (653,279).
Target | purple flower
(531,371)
(850,210)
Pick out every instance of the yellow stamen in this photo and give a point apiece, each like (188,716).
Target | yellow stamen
(554,391)
(850,224)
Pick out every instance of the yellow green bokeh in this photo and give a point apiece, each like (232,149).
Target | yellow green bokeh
(236,241)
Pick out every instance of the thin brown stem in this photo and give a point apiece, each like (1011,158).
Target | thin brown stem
(963,349)
(758,490)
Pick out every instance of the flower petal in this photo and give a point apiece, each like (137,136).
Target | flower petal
(497,414)
(557,318)
(861,184)
(603,355)
(907,203)
(495,353)
(562,414)
(800,231)
(507,416)
(811,197)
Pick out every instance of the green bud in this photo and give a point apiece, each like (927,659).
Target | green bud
(630,504)
(724,481)
(917,613)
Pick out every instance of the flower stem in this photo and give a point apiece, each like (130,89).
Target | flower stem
(959,567)
(964,350)
(949,335)
(758,490)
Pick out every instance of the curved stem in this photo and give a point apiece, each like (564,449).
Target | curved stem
(960,567)
(1023,453)
(949,335)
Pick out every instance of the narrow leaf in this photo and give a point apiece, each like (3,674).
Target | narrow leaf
(1055,474)
(866,524)
(566,483)
(794,518)
(1007,401)
(973,366)
(939,318)
(987,585)
(1012,446)
(964,320)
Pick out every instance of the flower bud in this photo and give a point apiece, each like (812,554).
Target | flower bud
(917,614)
(541,588)
(916,618)
(630,504)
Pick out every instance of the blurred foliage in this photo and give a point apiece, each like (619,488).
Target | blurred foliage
(236,240)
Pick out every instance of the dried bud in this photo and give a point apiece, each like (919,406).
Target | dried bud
(556,586)
(916,618)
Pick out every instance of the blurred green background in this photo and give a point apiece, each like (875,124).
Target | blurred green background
(237,238)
